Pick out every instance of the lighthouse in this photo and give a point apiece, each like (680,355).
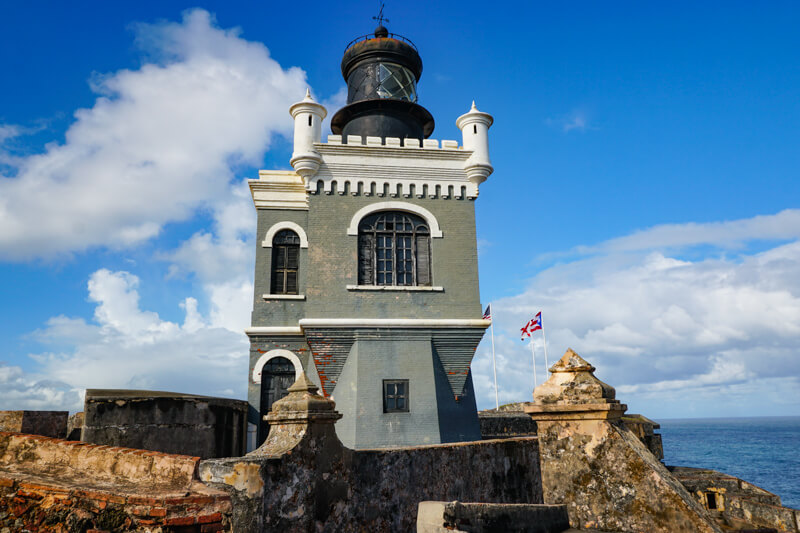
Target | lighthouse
(366,271)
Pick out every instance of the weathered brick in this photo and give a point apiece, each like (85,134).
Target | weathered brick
(207,519)
(180,521)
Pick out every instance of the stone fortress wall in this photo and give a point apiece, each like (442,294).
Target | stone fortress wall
(584,464)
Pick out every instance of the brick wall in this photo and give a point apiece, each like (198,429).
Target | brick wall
(50,484)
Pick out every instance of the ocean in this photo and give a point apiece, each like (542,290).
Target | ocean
(764,451)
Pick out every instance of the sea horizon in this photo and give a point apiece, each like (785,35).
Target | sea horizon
(761,450)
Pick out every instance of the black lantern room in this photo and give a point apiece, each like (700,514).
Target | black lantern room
(382,71)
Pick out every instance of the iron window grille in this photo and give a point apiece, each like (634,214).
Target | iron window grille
(394,249)
(285,259)
(395,396)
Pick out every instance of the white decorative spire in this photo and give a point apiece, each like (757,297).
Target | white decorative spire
(308,116)
(474,127)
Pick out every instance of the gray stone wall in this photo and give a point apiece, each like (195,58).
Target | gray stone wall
(364,424)
(277,312)
(47,423)
(333,263)
(330,264)
(166,422)
(323,488)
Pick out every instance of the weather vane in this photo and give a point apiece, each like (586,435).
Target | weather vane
(380,18)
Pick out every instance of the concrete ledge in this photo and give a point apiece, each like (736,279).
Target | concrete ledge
(273,330)
(440,517)
(283,296)
(586,411)
(407,288)
(394,323)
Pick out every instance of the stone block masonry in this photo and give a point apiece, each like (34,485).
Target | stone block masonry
(166,422)
(53,485)
(303,479)
(457,517)
(736,503)
(47,423)
(597,467)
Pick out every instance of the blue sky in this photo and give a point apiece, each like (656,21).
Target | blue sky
(645,193)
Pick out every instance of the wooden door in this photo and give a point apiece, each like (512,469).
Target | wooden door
(277,376)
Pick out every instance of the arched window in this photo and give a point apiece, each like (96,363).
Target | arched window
(285,259)
(394,249)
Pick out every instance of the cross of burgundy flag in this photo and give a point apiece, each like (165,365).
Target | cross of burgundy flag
(533,324)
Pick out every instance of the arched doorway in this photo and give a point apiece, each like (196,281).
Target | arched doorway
(277,375)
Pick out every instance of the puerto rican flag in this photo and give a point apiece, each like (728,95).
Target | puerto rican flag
(533,324)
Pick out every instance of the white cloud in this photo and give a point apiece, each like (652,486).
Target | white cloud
(574,121)
(729,234)
(128,347)
(23,391)
(158,143)
(667,332)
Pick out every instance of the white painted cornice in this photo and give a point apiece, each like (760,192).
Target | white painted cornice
(434,172)
(279,189)
(271,330)
(394,323)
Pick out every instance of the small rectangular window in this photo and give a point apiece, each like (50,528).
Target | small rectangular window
(395,396)
(711,500)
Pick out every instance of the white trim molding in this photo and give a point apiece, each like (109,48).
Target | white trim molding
(394,323)
(286,224)
(272,354)
(395,206)
(271,330)
(283,296)
(408,288)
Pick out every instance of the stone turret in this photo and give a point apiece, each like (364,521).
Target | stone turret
(308,116)
(598,468)
(574,393)
(302,413)
(474,126)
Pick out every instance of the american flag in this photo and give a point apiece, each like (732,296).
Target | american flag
(487,314)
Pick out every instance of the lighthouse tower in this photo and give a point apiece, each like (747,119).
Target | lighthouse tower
(366,274)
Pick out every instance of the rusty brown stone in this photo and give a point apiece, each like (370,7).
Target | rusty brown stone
(598,468)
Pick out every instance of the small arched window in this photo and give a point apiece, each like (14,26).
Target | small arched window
(394,249)
(285,262)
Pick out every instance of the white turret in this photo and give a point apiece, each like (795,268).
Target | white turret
(307,115)
(474,128)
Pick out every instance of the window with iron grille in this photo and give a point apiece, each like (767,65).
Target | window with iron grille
(394,249)
(395,396)
(285,259)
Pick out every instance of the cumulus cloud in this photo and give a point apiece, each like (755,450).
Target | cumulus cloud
(129,347)
(677,337)
(24,391)
(159,142)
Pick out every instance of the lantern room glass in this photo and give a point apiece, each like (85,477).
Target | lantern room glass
(396,82)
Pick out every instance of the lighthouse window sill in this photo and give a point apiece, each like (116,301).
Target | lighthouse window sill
(407,288)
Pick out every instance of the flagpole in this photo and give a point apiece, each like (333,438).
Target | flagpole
(494,363)
(546,364)
(533,356)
